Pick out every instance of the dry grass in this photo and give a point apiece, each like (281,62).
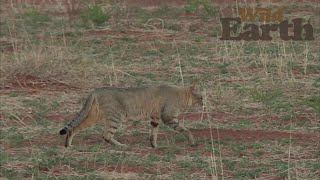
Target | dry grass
(51,58)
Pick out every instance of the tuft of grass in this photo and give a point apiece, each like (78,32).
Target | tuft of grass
(13,94)
(199,162)
(15,139)
(314,166)
(110,158)
(242,124)
(223,68)
(136,132)
(186,164)
(199,39)
(42,122)
(34,18)
(82,169)
(250,173)
(313,68)
(205,6)
(41,107)
(129,39)
(4,157)
(38,103)
(282,167)
(273,98)
(192,6)
(238,148)
(316,82)
(251,48)
(231,165)
(163,9)
(9,173)
(184,174)
(257,145)
(209,8)
(151,159)
(258,153)
(173,26)
(96,15)
(314,103)
(214,32)
(168,157)
(47,159)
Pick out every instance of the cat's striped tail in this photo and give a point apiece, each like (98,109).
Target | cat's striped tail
(81,116)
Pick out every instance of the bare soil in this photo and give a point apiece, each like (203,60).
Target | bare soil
(32,85)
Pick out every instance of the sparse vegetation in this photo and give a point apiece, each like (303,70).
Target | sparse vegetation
(261,119)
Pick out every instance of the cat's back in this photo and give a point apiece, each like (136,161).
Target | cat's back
(137,94)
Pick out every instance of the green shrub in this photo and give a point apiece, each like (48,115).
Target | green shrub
(95,14)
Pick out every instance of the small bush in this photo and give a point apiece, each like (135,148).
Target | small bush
(96,15)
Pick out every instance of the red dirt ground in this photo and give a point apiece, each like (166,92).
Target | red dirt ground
(253,135)
(34,84)
(119,168)
(182,2)
(168,2)
(238,135)
(31,84)
(223,117)
(201,134)
(124,168)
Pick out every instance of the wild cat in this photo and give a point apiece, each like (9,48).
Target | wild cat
(111,105)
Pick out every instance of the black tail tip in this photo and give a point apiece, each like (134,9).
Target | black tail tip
(63,131)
